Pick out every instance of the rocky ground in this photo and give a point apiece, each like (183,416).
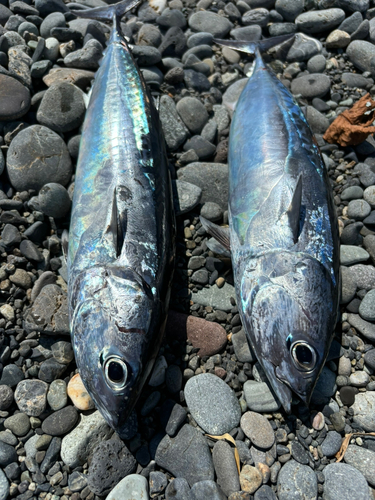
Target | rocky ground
(53,444)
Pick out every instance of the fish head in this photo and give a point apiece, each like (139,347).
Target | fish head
(289,308)
(110,324)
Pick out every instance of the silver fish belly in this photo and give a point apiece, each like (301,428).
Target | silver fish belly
(283,234)
(121,242)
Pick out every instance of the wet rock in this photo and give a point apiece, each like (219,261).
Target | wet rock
(30,397)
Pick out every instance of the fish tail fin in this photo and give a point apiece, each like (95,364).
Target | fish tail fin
(251,47)
(109,12)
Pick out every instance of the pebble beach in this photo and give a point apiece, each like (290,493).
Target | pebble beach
(207,426)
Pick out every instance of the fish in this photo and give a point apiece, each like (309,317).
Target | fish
(283,232)
(121,248)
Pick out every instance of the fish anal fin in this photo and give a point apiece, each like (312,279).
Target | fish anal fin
(293,213)
(220,234)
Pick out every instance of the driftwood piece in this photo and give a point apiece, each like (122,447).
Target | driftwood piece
(354,125)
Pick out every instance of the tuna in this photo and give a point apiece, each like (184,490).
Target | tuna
(283,233)
(121,241)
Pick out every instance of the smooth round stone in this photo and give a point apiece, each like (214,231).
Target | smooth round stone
(356,81)
(6,397)
(186,196)
(310,86)
(360,54)
(358,209)
(317,64)
(11,375)
(337,39)
(4,486)
(297,479)
(7,454)
(36,156)
(199,39)
(175,131)
(158,373)
(60,422)
(7,312)
(211,211)
(193,113)
(258,16)
(15,98)
(132,486)
(51,49)
(53,200)
(352,193)
(367,306)
(225,467)
(206,489)
(344,482)
(289,9)
(54,20)
(212,403)
(86,58)
(318,21)
(78,394)
(260,397)
(347,395)
(363,460)
(250,479)
(57,396)
(149,35)
(19,424)
(345,366)
(62,108)
(369,196)
(63,352)
(331,444)
(363,407)
(258,429)
(370,358)
(209,22)
(177,489)
(350,254)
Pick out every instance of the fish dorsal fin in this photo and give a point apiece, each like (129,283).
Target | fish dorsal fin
(293,214)
(65,244)
(221,234)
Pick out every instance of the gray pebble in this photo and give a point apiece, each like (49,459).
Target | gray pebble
(178,489)
(257,429)
(225,467)
(344,482)
(60,422)
(7,454)
(260,397)
(352,193)
(297,479)
(360,54)
(86,58)
(29,250)
(363,460)
(209,22)
(289,9)
(11,375)
(62,108)
(197,39)
(175,131)
(49,313)
(206,395)
(171,18)
(218,298)
(358,209)
(19,424)
(247,33)
(30,397)
(206,489)
(257,16)
(316,64)
(303,48)
(152,74)
(331,444)
(149,35)
(6,397)
(186,196)
(310,86)
(57,397)
(318,21)
(350,254)
(31,160)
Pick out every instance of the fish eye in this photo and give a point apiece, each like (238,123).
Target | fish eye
(116,372)
(304,356)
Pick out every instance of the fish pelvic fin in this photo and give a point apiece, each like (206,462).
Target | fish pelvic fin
(109,12)
(251,47)
(221,234)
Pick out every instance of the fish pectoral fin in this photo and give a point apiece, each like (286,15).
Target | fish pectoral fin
(65,243)
(221,234)
(293,214)
(114,233)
